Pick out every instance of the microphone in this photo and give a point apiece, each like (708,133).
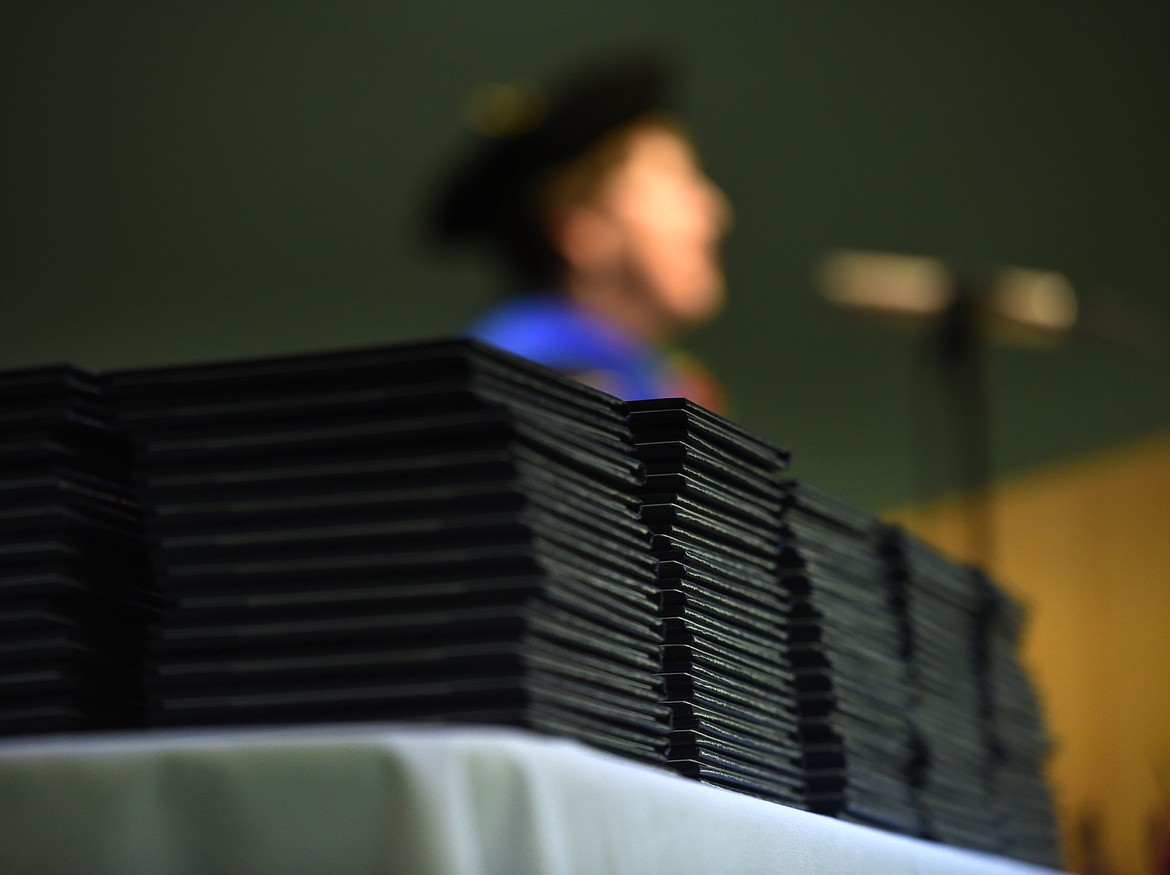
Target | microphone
(1012,305)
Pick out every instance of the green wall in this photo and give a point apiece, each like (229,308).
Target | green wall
(185,181)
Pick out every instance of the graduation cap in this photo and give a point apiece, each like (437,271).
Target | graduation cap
(523,133)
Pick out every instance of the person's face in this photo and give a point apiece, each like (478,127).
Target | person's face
(670,219)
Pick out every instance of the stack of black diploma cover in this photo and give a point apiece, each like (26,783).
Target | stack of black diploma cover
(430,532)
(75,587)
(442,532)
(712,498)
(855,694)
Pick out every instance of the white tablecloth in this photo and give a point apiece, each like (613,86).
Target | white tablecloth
(395,799)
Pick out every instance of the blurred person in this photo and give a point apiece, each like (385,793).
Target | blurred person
(598,202)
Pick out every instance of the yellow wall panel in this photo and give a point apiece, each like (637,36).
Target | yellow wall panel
(1086,544)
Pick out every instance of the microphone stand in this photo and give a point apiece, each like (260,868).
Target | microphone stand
(960,352)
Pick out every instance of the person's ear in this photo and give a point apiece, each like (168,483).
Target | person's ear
(587,239)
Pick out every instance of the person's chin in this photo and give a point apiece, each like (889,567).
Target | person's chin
(700,305)
(709,296)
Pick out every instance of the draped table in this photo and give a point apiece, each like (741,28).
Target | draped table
(411,799)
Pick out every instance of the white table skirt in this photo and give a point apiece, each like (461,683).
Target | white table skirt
(379,798)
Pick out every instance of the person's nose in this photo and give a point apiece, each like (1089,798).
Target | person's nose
(718,207)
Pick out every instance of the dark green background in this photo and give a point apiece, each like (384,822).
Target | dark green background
(186,181)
